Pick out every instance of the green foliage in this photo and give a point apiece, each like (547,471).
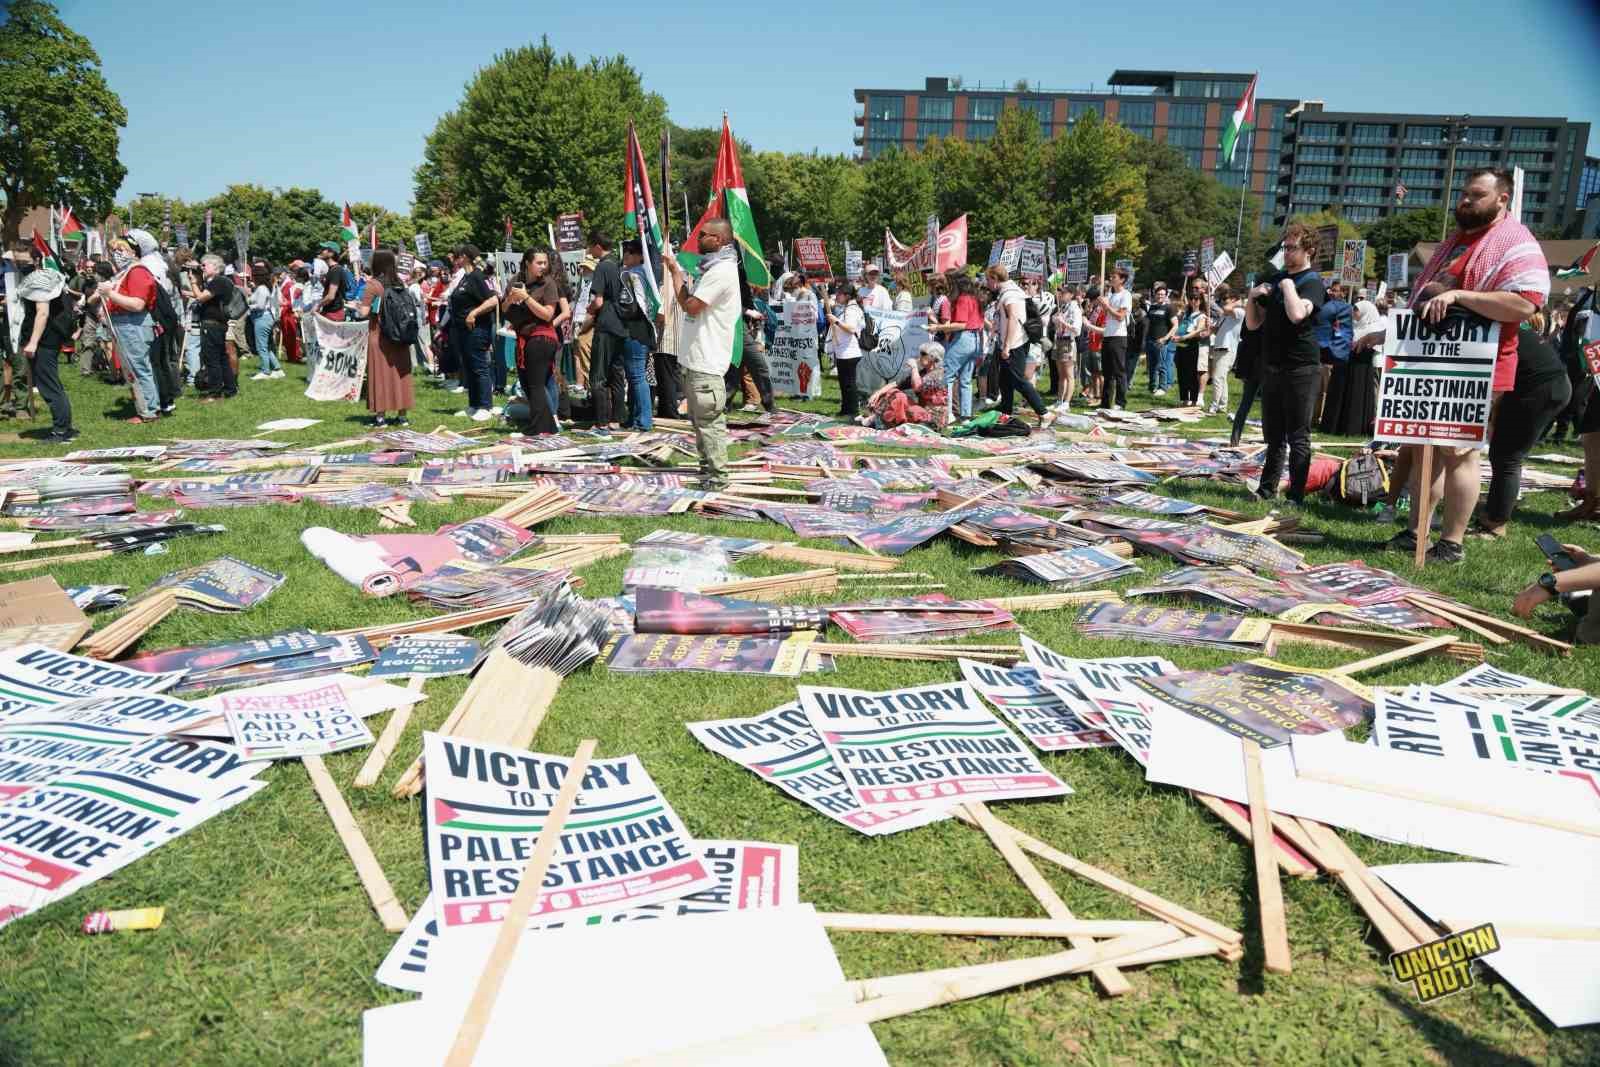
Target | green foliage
(59,120)
(1091,172)
(1402,232)
(536,134)
(799,195)
(1182,207)
(897,194)
(1011,167)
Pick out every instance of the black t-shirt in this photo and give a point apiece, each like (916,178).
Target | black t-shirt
(471,293)
(1537,361)
(607,285)
(1158,320)
(215,310)
(1286,343)
(1247,357)
(58,326)
(337,280)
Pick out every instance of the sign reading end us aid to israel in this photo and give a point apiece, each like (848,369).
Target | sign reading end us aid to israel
(1437,378)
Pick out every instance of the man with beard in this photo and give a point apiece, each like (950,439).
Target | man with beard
(711,308)
(1490,266)
(1284,308)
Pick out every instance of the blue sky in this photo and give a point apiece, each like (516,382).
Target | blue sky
(341,96)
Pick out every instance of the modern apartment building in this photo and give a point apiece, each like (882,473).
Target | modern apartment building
(1301,157)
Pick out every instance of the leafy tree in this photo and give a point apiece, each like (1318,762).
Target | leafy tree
(1347,231)
(1182,207)
(804,195)
(1400,233)
(956,190)
(58,119)
(897,195)
(1010,166)
(537,134)
(1091,172)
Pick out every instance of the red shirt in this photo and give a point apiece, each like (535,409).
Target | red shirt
(1098,317)
(1505,366)
(138,283)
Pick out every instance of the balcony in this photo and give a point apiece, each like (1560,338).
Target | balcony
(858,137)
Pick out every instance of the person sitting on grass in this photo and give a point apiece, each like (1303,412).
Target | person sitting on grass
(918,395)
(1585,577)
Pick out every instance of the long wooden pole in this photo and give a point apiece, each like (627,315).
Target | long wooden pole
(372,877)
(1269,892)
(1421,506)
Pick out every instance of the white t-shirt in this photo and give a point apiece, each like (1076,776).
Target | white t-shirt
(877,298)
(842,344)
(1014,306)
(705,340)
(1123,302)
(902,300)
(1225,334)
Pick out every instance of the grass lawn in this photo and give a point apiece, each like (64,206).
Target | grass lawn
(269,946)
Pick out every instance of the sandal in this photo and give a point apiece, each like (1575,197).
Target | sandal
(1487,533)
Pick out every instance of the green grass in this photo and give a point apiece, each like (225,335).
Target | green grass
(269,945)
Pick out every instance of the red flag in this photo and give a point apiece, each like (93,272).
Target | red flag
(508,227)
(952,246)
(727,174)
(41,251)
(68,223)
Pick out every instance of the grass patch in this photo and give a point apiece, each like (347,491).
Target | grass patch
(269,947)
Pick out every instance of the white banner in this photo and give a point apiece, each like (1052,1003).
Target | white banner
(900,335)
(792,358)
(343,363)
(1105,231)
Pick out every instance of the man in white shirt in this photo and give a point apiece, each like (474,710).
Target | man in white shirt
(710,313)
(1118,303)
(1009,322)
(873,294)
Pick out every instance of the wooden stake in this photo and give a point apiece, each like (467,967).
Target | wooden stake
(822,557)
(1421,648)
(1422,505)
(962,926)
(373,767)
(476,1020)
(1110,980)
(1350,875)
(371,874)
(1421,796)
(1457,620)
(1274,927)
(1290,864)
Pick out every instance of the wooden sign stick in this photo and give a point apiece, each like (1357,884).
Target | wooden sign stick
(1394,934)
(1110,980)
(371,874)
(370,770)
(1383,659)
(1274,927)
(964,926)
(1457,620)
(476,1020)
(1421,506)
(1402,792)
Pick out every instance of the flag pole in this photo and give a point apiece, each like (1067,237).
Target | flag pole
(1244,185)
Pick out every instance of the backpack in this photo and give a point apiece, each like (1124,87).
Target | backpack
(1362,479)
(1032,321)
(165,312)
(397,316)
(238,307)
(1005,426)
(628,301)
(868,337)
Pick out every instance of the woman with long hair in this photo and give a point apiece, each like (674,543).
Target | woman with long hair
(534,306)
(388,362)
(260,319)
(846,320)
(1193,327)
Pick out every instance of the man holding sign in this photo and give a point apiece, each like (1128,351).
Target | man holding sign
(1492,267)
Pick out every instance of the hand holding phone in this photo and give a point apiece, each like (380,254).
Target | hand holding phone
(1560,559)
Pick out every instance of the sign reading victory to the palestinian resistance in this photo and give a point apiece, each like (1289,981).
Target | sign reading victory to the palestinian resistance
(1437,377)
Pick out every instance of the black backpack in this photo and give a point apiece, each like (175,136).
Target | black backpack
(1005,426)
(1362,479)
(868,337)
(397,316)
(1032,321)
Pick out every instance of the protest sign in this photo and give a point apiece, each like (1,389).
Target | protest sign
(792,358)
(36,676)
(1353,264)
(182,234)
(1067,568)
(350,650)
(1051,263)
(671,611)
(782,747)
(569,244)
(1436,379)
(1208,254)
(1191,262)
(343,366)
(930,244)
(312,722)
(1033,261)
(1011,254)
(927,746)
(784,657)
(1173,626)
(406,264)
(1220,268)
(900,335)
(900,255)
(812,256)
(1327,249)
(1262,700)
(424,246)
(241,241)
(1034,708)
(208,230)
(426,656)
(1105,232)
(38,611)
(852,264)
(484,806)
(202,659)
(223,585)
(1077,264)
(996,250)
(1107,689)
(1399,270)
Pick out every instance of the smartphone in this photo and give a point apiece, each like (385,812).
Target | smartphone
(1559,558)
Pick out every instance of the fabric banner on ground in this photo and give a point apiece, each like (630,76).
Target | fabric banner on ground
(343,364)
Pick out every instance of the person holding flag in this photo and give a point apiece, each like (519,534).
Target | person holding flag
(46,326)
(711,310)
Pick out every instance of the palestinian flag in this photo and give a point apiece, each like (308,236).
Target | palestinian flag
(347,226)
(67,224)
(639,215)
(43,253)
(1580,265)
(730,201)
(1244,117)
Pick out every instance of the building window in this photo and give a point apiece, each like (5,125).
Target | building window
(1137,116)
(1534,198)
(1371,133)
(1366,174)
(1420,177)
(1041,110)
(1302,208)
(1321,131)
(982,114)
(1233,177)
(1424,134)
(1362,214)
(1193,156)
(1076,109)
(1313,174)
(1528,159)
(1588,181)
(1473,157)
(876,147)
(1422,155)
(1366,194)
(885,115)
(1319,153)
(1533,218)
(1482,135)
(1369,155)
(1535,180)
(935,117)
(1521,135)
(1186,115)
(1186,137)
(1313,192)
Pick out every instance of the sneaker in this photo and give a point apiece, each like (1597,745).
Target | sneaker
(169,409)
(1404,541)
(1159,392)
(402,421)
(496,412)
(1446,552)
(1386,513)
(456,389)
(466,413)
(60,437)
(278,374)
(482,415)
(261,377)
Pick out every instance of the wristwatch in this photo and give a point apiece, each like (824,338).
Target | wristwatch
(1547,582)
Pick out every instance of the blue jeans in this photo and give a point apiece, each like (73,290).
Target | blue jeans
(261,328)
(959,359)
(476,374)
(191,351)
(635,356)
(1169,366)
(136,335)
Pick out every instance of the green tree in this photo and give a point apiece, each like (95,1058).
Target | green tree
(1182,207)
(393,229)
(1091,172)
(1318,220)
(59,120)
(536,134)
(897,195)
(956,188)
(1400,233)
(1010,167)
(804,195)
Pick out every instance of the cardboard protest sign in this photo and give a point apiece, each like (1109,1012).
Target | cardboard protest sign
(1191,262)
(484,807)
(812,255)
(1436,379)
(1220,268)
(1077,264)
(1327,249)
(1173,626)
(1398,270)
(1105,231)
(996,250)
(792,358)
(35,676)
(1011,254)
(347,651)
(427,656)
(749,874)
(669,611)
(1264,701)
(1032,264)
(1067,568)
(313,722)
(225,584)
(424,246)
(783,748)
(1034,708)
(1107,688)
(899,535)
(852,264)
(343,366)
(784,657)
(202,659)
(928,746)
(1353,264)
(1208,254)
(37,611)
